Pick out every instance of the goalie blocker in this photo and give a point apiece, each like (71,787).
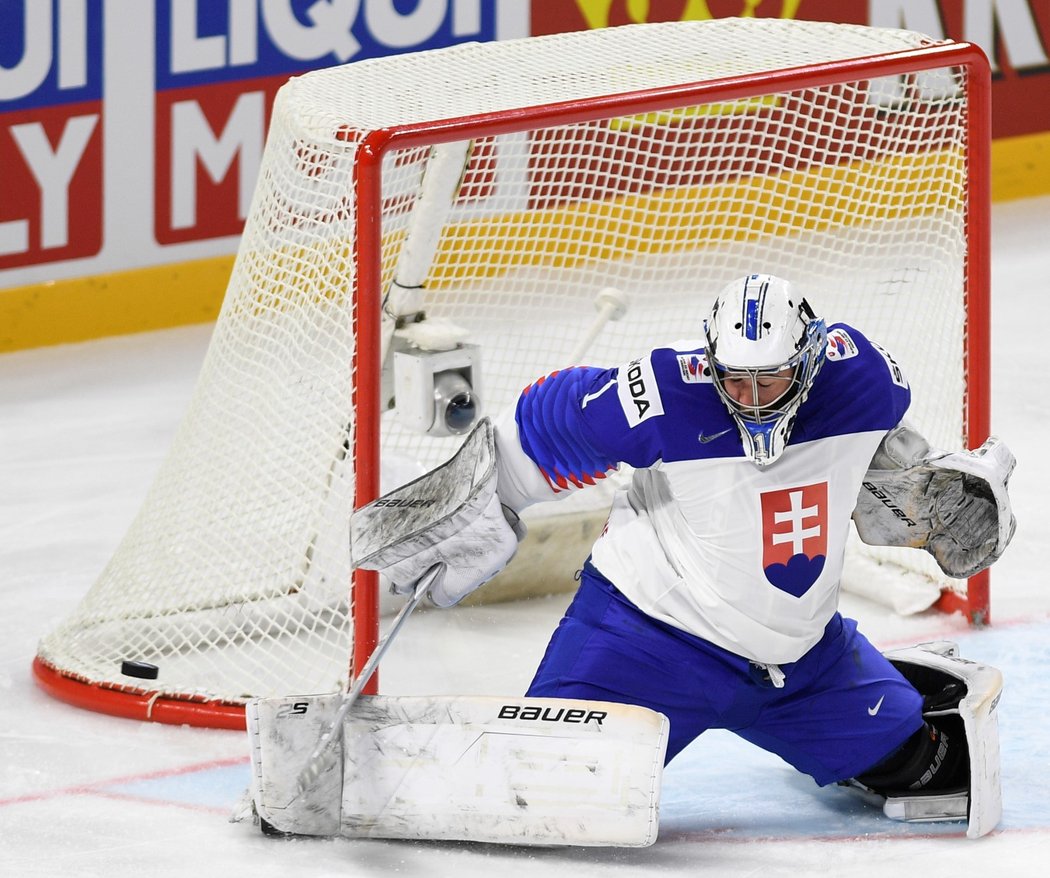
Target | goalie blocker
(450,516)
(960,700)
(527,771)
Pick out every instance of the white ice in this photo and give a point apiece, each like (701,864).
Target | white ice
(84,427)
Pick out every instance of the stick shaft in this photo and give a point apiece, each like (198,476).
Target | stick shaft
(312,769)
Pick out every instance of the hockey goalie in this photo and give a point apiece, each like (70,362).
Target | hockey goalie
(710,600)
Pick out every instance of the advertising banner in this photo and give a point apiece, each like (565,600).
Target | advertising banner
(131,131)
(1015,34)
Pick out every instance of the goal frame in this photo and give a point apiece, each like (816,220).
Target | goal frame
(976,418)
(365,395)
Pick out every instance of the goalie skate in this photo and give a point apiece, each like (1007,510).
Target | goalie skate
(967,694)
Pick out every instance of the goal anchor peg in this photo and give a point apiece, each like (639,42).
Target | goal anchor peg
(611,304)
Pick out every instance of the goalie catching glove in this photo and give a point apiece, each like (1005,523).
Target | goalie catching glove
(451,516)
(954,505)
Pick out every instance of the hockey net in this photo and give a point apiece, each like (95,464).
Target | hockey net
(661,160)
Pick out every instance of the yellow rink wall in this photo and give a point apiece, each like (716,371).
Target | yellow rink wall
(160,297)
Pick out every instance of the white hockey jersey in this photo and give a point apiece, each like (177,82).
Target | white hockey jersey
(746,557)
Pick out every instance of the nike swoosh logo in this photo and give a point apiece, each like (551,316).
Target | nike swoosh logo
(874,710)
(705,439)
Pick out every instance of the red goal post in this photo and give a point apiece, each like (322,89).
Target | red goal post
(658,159)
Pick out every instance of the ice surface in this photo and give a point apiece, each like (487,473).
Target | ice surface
(83,428)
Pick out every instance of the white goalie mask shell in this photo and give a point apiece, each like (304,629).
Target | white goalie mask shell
(760,325)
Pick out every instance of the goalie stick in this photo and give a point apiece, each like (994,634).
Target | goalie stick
(408,522)
(312,770)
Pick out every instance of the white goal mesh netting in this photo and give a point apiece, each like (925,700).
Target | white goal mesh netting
(602,158)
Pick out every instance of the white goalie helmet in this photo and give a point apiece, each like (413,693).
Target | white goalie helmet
(765,347)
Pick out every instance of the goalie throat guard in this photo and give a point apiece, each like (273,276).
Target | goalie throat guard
(759,327)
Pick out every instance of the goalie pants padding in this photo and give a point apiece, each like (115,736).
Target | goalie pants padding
(843,707)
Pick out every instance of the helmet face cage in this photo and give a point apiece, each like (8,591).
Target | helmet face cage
(758,328)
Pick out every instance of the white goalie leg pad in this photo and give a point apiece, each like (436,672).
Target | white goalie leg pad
(524,771)
(929,667)
(281,732)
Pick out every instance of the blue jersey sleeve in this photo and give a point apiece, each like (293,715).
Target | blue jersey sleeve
(573,425)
